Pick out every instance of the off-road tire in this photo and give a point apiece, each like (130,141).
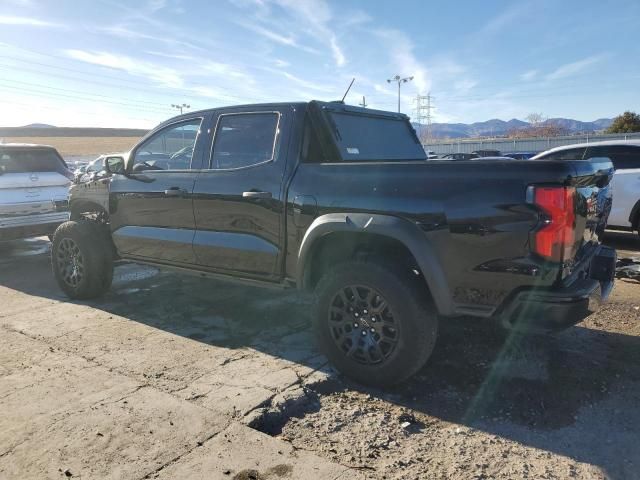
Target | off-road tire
(412,310)
(92,244)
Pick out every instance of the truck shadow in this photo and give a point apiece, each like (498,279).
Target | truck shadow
(575,394)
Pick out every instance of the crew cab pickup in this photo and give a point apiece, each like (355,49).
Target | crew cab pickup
(341,201)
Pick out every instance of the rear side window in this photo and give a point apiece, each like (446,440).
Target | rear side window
(245,139)
(569,154)
(365,138)
(33,160)
(623,157)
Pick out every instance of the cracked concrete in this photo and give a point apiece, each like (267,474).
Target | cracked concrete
(157,379)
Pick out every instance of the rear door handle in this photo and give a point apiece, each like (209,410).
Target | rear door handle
(175,192)
(252,194)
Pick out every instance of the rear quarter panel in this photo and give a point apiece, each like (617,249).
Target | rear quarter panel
(474,215)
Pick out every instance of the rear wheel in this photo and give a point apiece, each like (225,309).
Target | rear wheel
(81,259)
(374,323)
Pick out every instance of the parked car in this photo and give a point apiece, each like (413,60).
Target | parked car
(625,155)
(431,154)
(520,155)
(339,200)
(460,156)
(487,153)
(95,169)
(34,188)
(502,158)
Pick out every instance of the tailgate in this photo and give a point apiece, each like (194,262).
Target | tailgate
(31,193)
(592,206)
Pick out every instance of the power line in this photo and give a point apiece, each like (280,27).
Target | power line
(44,94)
(75,92)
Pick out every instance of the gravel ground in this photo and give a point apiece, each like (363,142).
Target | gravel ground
(208,356)
(493,406)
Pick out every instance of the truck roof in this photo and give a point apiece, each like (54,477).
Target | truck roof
(634,143)
(335,104)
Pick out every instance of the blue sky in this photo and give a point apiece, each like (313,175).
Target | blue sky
(111,63)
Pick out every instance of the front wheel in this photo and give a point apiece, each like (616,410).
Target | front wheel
(374,323)
(81,259)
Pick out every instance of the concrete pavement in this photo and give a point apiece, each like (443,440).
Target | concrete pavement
(158,379)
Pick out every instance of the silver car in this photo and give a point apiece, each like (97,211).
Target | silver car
(34,190)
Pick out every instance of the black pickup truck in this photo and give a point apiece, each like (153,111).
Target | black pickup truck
(341,201)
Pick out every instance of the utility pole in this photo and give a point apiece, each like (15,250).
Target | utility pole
(400,80)
(423,111)
(180,107)
(364,102)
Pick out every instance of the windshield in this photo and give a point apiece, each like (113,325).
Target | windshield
(362,137)
(32,160)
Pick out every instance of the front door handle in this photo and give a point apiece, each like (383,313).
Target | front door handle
(175,192)
(252,194)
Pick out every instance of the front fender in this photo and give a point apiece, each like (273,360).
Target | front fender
(396,228)
(91,193)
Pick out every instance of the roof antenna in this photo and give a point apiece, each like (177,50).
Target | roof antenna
(349,88)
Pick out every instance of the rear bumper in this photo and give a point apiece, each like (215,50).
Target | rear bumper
(546,310)
(12,228)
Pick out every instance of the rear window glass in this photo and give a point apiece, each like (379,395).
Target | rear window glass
(245,139)
(569,154)
(362,138)
(24,161)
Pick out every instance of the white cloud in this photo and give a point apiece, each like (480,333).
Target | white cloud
(307,84)
(27,22)
(529,75)
(403,59)
(226,70)
(155,5)
(126,33)
(464,85)
(162,75)
(281,63)
(317,17)
(270,34)
(506,19)
(574,68)
(337,53)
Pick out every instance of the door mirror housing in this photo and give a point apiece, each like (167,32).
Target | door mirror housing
(114,165)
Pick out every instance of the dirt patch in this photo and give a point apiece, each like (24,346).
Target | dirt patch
(80,145)
(279,471)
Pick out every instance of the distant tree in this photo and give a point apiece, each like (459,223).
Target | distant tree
(539,126)
(628,122)
(535,119)
(549,128)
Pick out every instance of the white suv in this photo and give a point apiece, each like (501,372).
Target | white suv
(625,155)
(34,190)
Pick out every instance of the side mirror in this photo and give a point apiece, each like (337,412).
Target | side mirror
(114,165)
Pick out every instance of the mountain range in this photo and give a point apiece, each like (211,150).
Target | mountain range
(496,127)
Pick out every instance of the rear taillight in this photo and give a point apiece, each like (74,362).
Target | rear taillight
(555,239)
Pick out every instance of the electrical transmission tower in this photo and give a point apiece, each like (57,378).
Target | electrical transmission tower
(423,109)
